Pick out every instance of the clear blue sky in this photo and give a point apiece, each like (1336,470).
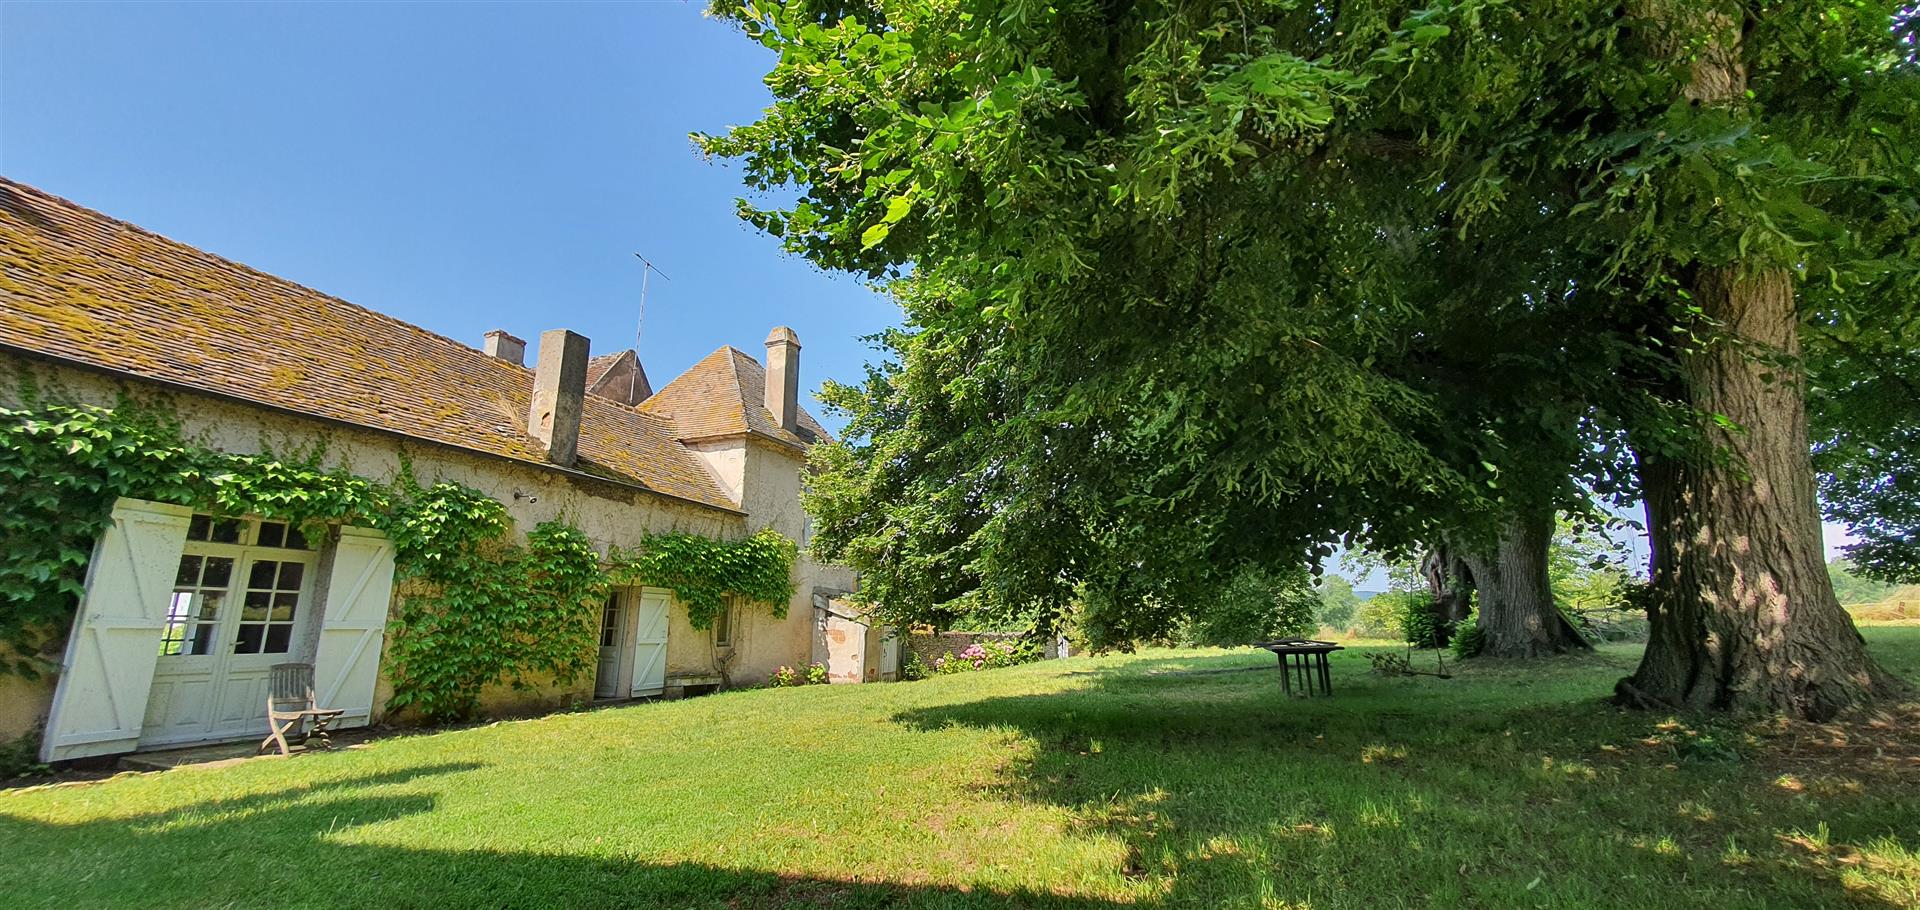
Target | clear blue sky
(461,166)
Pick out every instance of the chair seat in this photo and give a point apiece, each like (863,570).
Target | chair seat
(312,712)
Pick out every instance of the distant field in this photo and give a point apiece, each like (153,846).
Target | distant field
(1901,605)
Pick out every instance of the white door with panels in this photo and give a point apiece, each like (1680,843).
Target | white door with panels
(238,607)
(649,607)
(100,700)
(346,664)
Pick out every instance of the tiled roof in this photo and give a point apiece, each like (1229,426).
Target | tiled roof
(725,395)
(618,376)
(84,287)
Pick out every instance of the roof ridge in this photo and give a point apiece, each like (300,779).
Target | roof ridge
(192,250)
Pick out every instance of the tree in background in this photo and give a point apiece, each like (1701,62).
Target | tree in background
(1587,568)
(1864,406)
(1855,589)
(1257,605)
(1337,602)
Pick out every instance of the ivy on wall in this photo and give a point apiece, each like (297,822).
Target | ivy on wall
(703,572)
(476,607)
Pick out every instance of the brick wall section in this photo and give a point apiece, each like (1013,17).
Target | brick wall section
(930,646)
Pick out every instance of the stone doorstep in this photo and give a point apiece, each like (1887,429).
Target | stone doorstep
(221,754)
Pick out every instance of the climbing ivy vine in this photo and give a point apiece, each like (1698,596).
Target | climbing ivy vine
(703,572)
(476,608)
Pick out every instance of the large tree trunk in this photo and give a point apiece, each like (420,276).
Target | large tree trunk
(1743,613)
(1517,615)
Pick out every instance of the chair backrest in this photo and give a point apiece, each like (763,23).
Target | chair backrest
(290,686)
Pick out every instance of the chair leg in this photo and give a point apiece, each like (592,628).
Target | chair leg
(279,736)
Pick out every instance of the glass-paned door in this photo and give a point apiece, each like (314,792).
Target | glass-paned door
(238,608)
(608,678)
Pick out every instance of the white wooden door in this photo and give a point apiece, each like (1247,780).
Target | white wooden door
(650,641)
(346,663)
(100,700)
(613,647)
(238,606)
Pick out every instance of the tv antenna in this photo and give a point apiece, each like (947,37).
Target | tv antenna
(633,383)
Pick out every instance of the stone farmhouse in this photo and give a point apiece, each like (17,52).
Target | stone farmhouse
(185,612)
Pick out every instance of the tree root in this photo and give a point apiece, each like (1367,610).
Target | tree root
(1628,695)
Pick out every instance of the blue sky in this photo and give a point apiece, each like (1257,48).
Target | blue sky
(461,166)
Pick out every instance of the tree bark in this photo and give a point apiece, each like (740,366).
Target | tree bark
(1450,583)
(1743,612)
(1517,615)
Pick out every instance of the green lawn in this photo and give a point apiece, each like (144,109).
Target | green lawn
(1177,779)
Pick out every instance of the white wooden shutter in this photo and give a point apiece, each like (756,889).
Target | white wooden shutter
(346,664)
(650,642)
(100,701)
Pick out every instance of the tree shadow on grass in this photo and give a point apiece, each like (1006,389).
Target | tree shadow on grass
(290,848)
(1411,793)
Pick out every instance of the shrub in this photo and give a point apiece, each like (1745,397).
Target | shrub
(914,668)
(811,675)
(21,758)
(1412,614)
(1469,639)
(992,655)
(1377,617)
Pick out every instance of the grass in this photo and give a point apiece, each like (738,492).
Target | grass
(1165,779)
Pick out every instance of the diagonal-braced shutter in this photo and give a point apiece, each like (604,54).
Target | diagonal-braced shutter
(346,665)
(100,701)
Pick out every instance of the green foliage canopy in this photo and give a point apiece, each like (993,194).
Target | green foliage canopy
(1193,259)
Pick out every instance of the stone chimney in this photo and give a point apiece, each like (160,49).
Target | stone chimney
(783,377)
(559,394)
(506,347)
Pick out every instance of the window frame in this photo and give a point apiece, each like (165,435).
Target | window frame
(723,625)
(245,552)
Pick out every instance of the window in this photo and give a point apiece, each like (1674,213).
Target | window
(215,530)
(266,612)
(193,616)
(246,532)
(723,625)
(280,535)
(218,553)
(610,622)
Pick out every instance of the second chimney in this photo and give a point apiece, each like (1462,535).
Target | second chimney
(506,347)
(559,395)
(783,378)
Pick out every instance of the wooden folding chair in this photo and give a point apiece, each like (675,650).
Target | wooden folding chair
(290,704)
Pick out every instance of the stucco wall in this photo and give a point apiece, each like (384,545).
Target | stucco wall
(773,475)
(608,514)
